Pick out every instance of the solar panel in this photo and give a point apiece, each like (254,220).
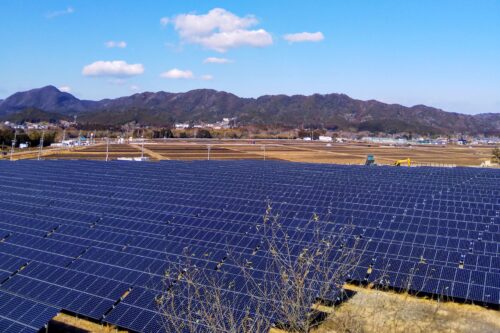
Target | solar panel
(18,314)
(95,238)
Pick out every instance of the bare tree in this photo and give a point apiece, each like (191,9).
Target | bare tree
(284,281)
(197,299)
(495,155)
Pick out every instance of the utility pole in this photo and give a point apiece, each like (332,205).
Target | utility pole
(64,135)
(107,148)
(264,148)
(208,152)
(142,146)
(13,145)
(41,145)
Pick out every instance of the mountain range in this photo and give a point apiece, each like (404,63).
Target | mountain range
(332,111)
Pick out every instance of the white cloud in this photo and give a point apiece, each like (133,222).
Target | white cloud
(65,89)
(304,37)
(219,30)
(120,44)
(164,21)
(215,60)
(116,68)
(217,19)
(223,41)
(57,13)
(177,74)
(207,77)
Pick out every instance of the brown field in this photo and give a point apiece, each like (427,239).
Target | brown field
(199,151)
(354,153)
(288,150)
(97,152)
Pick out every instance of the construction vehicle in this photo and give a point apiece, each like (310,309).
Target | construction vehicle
(370,160)
(401,162)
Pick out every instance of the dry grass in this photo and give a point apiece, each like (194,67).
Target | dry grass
(380,311)
(82,324)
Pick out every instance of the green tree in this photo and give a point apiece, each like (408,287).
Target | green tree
(34,138)
(6,136)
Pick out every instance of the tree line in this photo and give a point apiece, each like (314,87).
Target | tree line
(32,138)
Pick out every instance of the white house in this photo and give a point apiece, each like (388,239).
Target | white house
(325,138)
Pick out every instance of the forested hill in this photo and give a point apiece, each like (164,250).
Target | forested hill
(334,111)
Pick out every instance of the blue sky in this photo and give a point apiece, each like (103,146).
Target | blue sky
(440,53)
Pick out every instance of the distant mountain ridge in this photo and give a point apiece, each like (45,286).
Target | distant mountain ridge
(48,98)
(335,111)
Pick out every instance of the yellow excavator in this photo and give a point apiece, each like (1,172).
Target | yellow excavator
(401,162)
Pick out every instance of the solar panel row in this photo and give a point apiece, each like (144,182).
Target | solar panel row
(18,314)
(95,238)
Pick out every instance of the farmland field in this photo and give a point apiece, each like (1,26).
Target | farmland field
(313,152)
(288,150)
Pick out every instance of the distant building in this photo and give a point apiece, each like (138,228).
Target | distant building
(81,141)
(137,159)
(385,140)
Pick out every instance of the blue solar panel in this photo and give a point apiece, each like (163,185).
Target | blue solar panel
(87,232)
(18,314)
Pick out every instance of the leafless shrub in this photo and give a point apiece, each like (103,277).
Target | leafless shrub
(287,278)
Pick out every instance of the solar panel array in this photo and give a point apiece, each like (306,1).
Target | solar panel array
(95,238)
(19,314)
